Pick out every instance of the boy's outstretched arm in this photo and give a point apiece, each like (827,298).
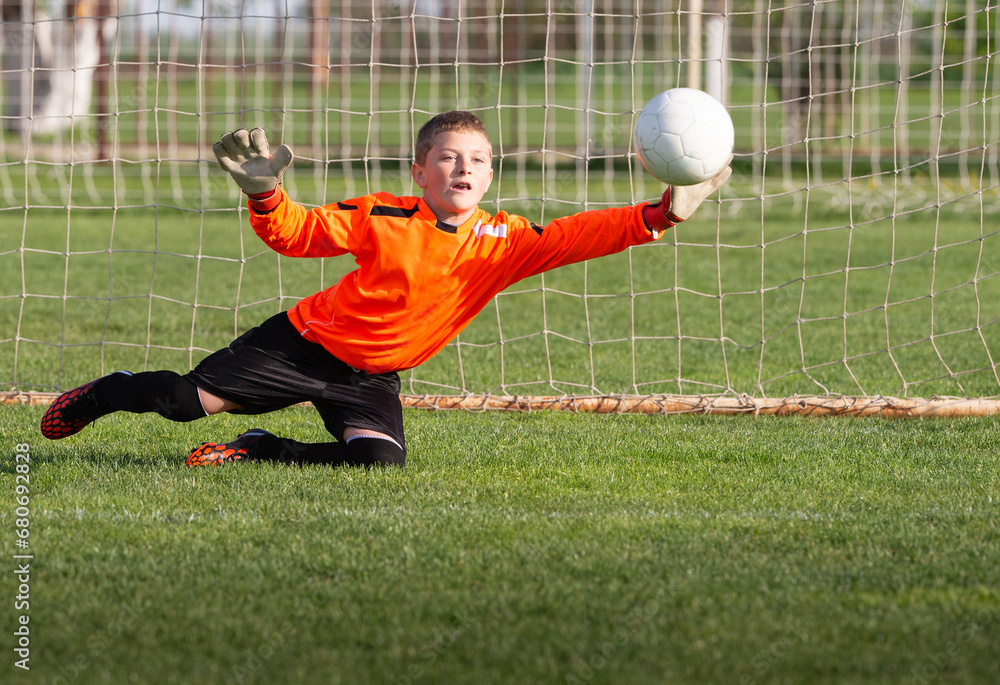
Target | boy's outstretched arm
(286,227)
(246,156)
(679,202)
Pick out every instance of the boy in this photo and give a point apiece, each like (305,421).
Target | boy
(426,267)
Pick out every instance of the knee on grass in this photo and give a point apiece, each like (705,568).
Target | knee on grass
(374,450)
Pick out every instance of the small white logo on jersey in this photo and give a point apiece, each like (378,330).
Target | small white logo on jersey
(498,231)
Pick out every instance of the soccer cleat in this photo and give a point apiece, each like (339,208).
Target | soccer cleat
(73,411)
(214,454)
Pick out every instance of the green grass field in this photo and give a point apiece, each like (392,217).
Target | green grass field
(854,252)
(537,548)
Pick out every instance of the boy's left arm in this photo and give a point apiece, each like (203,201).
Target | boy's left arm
(596,233)
(679,202)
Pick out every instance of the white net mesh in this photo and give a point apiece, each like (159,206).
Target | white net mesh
(854,252)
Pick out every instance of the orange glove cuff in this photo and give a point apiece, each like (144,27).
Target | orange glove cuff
(658,217)
(264,203)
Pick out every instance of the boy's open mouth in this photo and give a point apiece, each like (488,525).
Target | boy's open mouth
(461,185)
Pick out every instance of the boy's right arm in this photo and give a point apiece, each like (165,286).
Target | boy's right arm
(286,227)
(246,156)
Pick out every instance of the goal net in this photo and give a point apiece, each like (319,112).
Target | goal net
(851,263)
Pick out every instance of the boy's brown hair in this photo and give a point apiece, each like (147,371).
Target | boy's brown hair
(457,120)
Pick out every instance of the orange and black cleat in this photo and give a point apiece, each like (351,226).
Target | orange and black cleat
(73,411)
(213,454)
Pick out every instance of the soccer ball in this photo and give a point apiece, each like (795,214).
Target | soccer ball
(684,136)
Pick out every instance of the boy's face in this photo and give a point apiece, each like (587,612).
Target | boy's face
(455,175)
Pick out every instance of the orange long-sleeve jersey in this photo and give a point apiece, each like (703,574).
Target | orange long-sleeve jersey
(419,281)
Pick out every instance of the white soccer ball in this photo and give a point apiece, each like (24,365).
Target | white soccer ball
(684,136)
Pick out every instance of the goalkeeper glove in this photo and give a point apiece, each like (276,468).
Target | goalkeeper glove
(245,155)
(679,202)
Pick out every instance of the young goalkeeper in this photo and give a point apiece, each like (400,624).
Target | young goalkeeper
(426,267)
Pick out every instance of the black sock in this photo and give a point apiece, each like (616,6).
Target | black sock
(167,393)
(358,451)
(287,451)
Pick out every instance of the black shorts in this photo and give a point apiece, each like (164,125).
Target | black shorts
(272,366)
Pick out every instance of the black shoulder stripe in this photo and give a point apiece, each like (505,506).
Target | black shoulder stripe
(536,228)
(383,210)
(346,207)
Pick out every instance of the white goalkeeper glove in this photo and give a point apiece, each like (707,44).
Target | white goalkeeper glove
(679,202)
(245,155)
